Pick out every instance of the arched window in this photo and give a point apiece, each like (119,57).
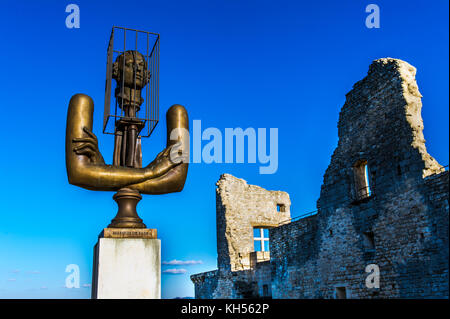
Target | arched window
(362,179)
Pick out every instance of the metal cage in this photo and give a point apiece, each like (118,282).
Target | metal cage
(147,44)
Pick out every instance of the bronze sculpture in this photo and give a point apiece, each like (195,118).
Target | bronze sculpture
(85,164)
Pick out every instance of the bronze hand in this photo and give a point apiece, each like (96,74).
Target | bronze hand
(89,148)
(86,167)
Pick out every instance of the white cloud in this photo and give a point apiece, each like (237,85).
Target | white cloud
(12,279)
(175,271)
(15,271)
(182,262)
(34,272)
(86,285)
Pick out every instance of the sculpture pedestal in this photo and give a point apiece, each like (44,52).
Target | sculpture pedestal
(127,264)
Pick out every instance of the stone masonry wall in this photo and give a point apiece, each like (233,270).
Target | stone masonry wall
(240,284)
(398,221)
(406,214)
(242,272)
(239,208)
(205,284)
(293,259)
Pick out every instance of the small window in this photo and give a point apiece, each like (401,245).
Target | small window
(341,293)
(369,240)
(261,239)
(281,208)
(362,180)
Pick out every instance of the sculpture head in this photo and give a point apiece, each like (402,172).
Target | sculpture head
(131,74)
(133,70)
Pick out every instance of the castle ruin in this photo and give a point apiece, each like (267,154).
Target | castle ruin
(384,203)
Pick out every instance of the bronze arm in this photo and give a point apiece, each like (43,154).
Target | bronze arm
(86,167)
(173,181)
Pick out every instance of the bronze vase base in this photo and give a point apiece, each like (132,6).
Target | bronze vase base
(127,217)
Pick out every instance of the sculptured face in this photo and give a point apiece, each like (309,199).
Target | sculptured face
(134,68)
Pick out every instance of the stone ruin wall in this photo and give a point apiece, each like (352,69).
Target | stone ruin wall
(242,272)
(407,213)
(241,284)
(239,208)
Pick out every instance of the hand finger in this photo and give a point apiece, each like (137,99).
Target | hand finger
(89,133)
(167,150)
(84,139)
(160,154)
(85,145)
(86,152)
(171,164)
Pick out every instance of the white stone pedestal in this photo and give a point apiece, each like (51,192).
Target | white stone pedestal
(127,268)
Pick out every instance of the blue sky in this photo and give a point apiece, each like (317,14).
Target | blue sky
(234,63)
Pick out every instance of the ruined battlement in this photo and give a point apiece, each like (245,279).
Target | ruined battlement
(241,208)
(384,202)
